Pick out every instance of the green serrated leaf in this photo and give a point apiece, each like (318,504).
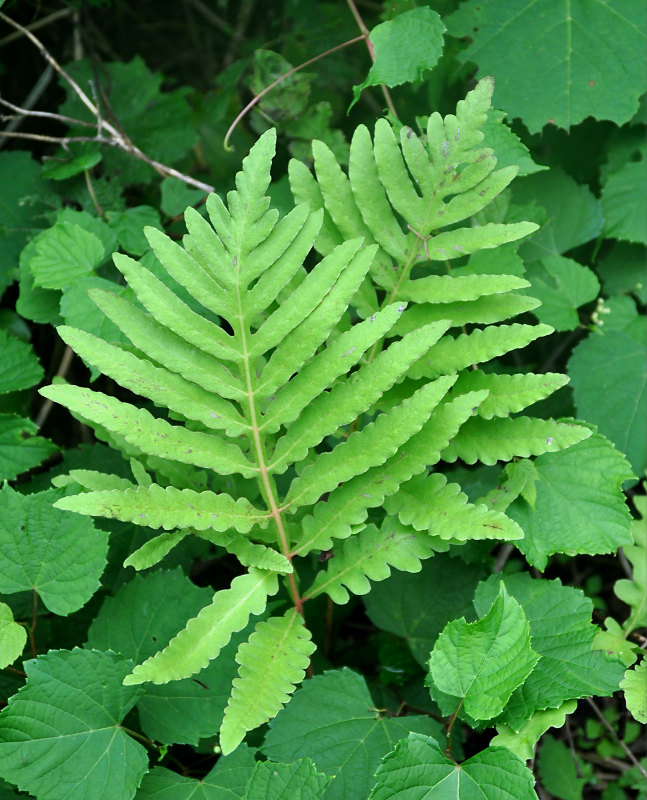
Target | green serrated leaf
(326,719)
(145,614)
(493,774)
(571,48)
(370,554)
(429,503)
(504,438)
(57,554)
(405,47)
(495,658)
(272,662)
(634,685)
(579,506)
(562,635)
(13,637)
(522,743)
(61,736)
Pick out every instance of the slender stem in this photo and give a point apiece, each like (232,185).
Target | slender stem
(269,88)
(61,372)
(91,192)
(34,620)
(46,115)
(609,727)
(452,720)
(366,35)
(41,23)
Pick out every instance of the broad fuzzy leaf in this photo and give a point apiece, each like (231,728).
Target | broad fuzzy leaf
(326,719)
(298,781)
(272,662)
(20,367)
(206,634)
(562,635)
(634,592)
(228,780)
(13,637)
(522,743)
(483,662)
(405,47)
(20,448)
(609,376)
(591,517)
(573,49)
(634,685)
(61,736)
(418,606)
(418,768)
(370,554)
(58,555)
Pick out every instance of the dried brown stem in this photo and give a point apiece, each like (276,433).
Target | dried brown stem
(269,88)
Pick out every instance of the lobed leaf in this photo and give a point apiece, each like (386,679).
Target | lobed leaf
(152,435)
(204,636)
(370,554)
(272,662)
(168,508)
(429,503)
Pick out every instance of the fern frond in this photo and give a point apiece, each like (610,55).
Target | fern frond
(205,635)
(509,393)
(429,503)
(272,663)
(151,435)
(153,551)
(335,360)
(501,439)
(348,504)
(454,354)
(168,508)
(250,554)
(350,398)
(370,555)
(166,389)
(484,310)
(449,289)
(98,481)
(364,449)
(165,347)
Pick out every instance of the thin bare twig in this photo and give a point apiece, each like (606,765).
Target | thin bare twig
(269,88)
(28,112)
(609,727)
(30,101)
(41,23)
(64,366)
(115,137)
(366,35)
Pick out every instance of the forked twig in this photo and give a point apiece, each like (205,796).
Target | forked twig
(114,138)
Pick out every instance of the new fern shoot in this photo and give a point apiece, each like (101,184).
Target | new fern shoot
(306,386)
